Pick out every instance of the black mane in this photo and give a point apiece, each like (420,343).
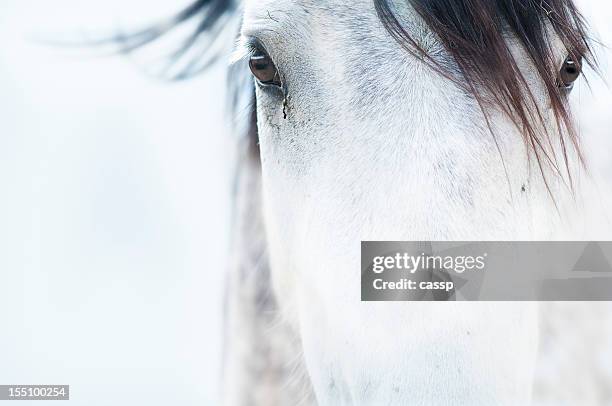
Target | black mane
(208,17)
(476,32)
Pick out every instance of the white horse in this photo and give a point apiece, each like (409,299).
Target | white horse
(401,120)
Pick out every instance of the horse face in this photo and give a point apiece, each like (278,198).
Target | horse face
(361,141)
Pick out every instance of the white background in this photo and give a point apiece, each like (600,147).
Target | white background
(114,205)
(114,208)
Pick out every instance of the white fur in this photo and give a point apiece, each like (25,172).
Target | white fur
(376,146)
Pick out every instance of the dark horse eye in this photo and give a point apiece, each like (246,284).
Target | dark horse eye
(264,69)
(570,71)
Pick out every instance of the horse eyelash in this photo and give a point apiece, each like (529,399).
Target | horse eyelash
(246,48)
(240,53)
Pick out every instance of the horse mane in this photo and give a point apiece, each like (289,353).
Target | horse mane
(208,17)
(475,33)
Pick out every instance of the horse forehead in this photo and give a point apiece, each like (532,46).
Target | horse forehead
(347,21)
(296,12)
(264,8)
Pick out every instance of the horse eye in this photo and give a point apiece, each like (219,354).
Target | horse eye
(264,69)
(570,72)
